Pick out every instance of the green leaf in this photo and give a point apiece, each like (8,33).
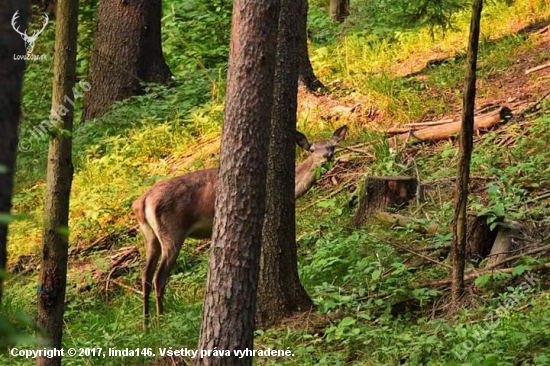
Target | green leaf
(347,321)
(375,274)
(482,280)
(521,269)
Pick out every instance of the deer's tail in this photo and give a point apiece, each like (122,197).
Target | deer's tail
(139,209)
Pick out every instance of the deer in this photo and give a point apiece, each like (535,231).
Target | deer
(183,207)
(29,40)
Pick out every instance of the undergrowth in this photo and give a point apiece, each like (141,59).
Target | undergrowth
(368,309)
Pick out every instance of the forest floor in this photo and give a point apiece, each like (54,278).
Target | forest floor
(364,281)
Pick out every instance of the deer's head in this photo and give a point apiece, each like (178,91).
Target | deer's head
(29,40)
(322,151)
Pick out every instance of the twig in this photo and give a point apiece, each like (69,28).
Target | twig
(535,105)
(127,287)
(509,259)
(471,276)
(428,258)
(537,68)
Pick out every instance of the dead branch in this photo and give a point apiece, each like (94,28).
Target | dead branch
(537,68)
(448,130)
(471,276)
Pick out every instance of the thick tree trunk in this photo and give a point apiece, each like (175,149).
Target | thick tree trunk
(230,300)
(306,74)
(465,147)
(11,79)
(127,52)
(280,292)
(53,276)
(339,10)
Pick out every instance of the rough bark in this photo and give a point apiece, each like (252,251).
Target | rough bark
(479,238)
(339,10)
(306,74)
(230,299)
(381,193)
(53,274)
(127,52)
(465,156)
(280,292)
(11,79)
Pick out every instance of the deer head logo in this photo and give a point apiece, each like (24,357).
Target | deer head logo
(29,40)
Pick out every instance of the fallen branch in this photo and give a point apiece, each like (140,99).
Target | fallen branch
(445,131)
(471,276)
(537,68)
(522,255)
(428,258)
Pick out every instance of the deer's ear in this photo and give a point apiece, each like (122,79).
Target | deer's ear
(301,140)
(339,134)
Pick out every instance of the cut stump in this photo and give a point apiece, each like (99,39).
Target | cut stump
(508,239)
(479,239)
(382,193)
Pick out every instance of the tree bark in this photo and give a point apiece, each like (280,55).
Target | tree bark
(280,292)
(339,10)
(465,156)
(127,52)
(306,74)
(11,79)
(53,276)
(381,193)
(230,300)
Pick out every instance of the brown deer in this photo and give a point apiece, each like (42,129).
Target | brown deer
(183,207)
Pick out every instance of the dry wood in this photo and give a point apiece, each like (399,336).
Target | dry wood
(506,240)
(522,255)
(408,127)
(423,256)
(448,130)
(380,193)
(537,68)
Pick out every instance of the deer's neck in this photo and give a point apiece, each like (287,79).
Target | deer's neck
(305,175)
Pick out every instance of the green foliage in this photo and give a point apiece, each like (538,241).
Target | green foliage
(368,312)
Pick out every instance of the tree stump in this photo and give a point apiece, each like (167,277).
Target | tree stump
(381,193)
(479,239)
(508,239)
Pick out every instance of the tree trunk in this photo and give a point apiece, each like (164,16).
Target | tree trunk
(127,52)
(306,74)
(280,292)
(11,79)
(465,152)
(53,276)
(230,300)
(339,10)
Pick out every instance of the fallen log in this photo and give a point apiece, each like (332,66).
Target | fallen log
(445,131)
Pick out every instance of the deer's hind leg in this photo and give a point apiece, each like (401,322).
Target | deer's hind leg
(152,254)
(171,242)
